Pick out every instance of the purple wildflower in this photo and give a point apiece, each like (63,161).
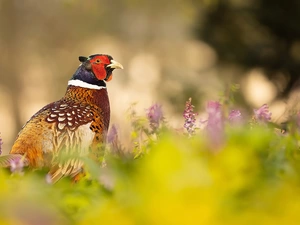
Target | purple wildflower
(17,164)
(215,127)
(262,114)
(190,117)
(113,140)
(155,116)
(113,134)
(235,117)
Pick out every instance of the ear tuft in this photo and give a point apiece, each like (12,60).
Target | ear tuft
(82,58)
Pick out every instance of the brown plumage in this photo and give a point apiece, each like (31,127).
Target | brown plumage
(75,126)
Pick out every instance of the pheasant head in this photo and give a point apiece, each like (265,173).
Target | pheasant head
(95,70)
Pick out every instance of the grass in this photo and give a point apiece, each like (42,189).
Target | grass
(227,173)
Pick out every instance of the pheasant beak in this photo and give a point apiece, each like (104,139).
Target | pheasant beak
(115,65)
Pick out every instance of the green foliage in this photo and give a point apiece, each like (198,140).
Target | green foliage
(251,178)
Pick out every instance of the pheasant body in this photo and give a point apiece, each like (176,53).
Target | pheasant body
(74,126)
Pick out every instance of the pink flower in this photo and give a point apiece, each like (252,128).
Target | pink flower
(155,116)
(235,117)
(112,134)
(262,114)
(190,117)
(215,126)
(113,140)
(17,164)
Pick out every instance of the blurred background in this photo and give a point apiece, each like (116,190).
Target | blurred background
(170,49)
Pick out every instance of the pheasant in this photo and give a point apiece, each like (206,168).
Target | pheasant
(74,126)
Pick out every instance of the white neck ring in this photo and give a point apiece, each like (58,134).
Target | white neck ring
(80,83)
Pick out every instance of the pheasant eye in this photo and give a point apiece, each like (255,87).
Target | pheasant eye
(98,61)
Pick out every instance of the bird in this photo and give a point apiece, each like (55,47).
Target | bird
(72,127)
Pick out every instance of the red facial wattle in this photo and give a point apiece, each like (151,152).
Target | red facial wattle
(102,66)
(99,71)
(98,66)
